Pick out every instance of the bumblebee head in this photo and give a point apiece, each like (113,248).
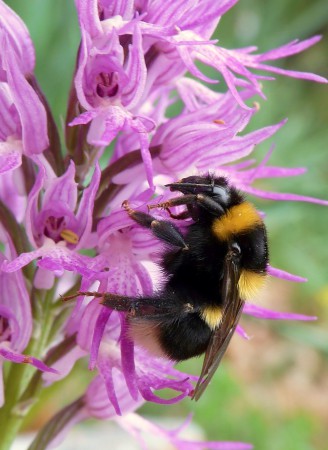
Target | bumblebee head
(214,187)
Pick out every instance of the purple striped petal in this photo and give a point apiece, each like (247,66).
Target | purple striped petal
(136,72)
(54,257)
(127,359)
(272,172)
(291,73)
(62,190)
(83,321)
(144,278)
(107,374)
(31,111)
(99,329)
(282,196)
(149,396)
(15,298)
(97,403)
(18,38)
(289,49)
(240,330)
(32,207)
(88,12)
(264,313)
(10,155)
(285,275)
(9,119)
(138,426)
(16,357)
(83,118)
(84,213)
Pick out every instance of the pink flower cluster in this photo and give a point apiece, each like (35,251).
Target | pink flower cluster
(131,67)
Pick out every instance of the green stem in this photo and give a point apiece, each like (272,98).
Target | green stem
(11,415)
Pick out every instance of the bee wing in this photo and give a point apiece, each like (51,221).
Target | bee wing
(233,306)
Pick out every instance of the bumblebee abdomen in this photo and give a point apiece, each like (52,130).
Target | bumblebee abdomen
(184,338)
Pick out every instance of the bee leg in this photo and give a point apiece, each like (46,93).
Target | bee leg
(181,216)
(209,204)
(137,306)
(119,303)
(190,200)
(162,229)
(144,306)
(187,199)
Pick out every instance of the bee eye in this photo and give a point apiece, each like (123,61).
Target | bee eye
(221,194)
(235,249)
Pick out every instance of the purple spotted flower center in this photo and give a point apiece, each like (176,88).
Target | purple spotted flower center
(107,84)
(5,330)
(53,227)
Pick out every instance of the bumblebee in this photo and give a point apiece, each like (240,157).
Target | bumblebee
(210,270)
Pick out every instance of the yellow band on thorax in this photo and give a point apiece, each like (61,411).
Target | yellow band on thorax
(237,219)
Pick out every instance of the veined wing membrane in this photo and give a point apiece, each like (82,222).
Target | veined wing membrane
(232,309)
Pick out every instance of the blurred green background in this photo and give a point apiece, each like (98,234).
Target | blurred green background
(272,391)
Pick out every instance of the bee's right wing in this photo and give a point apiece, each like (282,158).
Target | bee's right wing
(232,309)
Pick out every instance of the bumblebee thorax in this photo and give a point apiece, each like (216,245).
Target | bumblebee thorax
(238,219)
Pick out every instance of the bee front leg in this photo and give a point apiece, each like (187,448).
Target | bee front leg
(181,216)
(190,200)
(164,230)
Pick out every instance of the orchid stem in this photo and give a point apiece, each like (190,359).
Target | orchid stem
(19,376)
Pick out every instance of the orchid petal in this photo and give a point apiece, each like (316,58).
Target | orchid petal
(264,313)
(84,213)
(285,275)
(18,37)
(16,357)
(10,156)
(32,113)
